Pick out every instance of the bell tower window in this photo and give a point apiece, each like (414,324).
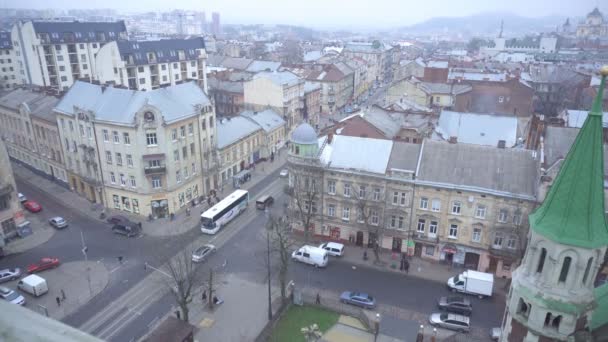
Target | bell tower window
(587,270)
(563,274)
(541,261)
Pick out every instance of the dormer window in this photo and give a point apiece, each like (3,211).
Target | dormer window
(148,116)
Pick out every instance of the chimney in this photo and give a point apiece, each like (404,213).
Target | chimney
(501,144)
(453,140)
(330,137)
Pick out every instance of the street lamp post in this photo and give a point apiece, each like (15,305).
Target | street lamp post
(377,327)
(268,264)
(85,249)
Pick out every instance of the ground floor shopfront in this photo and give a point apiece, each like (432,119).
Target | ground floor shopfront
(158,205)
(86,188)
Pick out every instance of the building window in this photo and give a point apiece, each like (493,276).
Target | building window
(182,131)
(361,191)
(395,198)
(424,203)
(118,159)
(517,218)
(497,243)
(563,274)
(126,138)
(401,222)
(376,194)
(192,150)
(421,224)
(116,201)
(503,215)
(375,217)
(185,152)
(403,197)
(178,176)
(456,208)
(112,178)
(151,139)
(175,155)
(156,183)
(511,242)
(81,130)
(480,212)
(453,231)
(129,160)
(186,175)
(203,125)
(541,260)
(346,213)
(433,228)
(190,129)
(174,134)
(501,99)
(476,235)
(435,205)
(346,190)
(106,135)
(587,270)
(429,250)
(331,210)
(123,180)
(108,157)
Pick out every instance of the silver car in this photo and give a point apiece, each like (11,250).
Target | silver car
(202,253)
(9,274)
(450,321)
(58,222)
(11,296)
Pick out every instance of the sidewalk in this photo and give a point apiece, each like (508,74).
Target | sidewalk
(181,224)
(41,233)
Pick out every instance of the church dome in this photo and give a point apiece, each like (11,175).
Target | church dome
(304,134)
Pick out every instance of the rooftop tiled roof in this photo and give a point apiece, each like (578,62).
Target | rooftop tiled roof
(165,50)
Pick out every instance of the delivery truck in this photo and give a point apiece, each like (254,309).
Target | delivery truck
(34,285)
(473,282)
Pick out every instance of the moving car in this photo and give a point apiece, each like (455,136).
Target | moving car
(58,222)
(202,253)
(361,299)
(43,264)
(311,255)
(34,285)
(9,274)
(450,321)
(495,333)
(284,173)
(32,206)
(472,282)
(22,197)
(11,296)
(116,219)
(455,304)
(263,202)
(127,229)
(333,248)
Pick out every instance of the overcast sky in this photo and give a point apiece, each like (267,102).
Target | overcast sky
(332,13)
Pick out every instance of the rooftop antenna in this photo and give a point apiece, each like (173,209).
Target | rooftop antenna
(501,27)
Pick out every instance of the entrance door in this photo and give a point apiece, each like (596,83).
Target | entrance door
(418,250)
(397,245)
(471,261)
(371,240)
(493,265)
(449,258)
(359,240)
(93,197)
(242,165)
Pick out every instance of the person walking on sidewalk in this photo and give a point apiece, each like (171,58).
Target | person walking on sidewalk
(204,296)
(58,300)
(318,299)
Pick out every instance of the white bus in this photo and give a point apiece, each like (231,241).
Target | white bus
(225,210)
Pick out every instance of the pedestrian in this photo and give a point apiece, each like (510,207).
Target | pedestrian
(62,294)
(58,301)
(120,260)
(204,296)
(318,299)
(406,266)
(178,314)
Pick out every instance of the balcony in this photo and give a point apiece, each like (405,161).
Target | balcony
(155,170)
(505,252)
(425,238)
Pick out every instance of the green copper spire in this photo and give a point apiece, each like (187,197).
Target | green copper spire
(573,211)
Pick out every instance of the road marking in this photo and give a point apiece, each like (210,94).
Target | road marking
(149,284)
(115,269)
(152,322)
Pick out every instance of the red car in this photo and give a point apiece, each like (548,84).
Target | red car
(43,264)
(32,206)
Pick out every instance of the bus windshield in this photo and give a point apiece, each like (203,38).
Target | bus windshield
(207,222)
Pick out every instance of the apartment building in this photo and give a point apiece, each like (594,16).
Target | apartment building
(148,65)
(378,55)
(274,130)
(9,73)
(56,54)
(145,152)
(311,112)
(11,214)
(239,142)
(281,91)
(29,128)
(337,85)
(400,196)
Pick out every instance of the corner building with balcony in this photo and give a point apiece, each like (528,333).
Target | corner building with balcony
(152,152)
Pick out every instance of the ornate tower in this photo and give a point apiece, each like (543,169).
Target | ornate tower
(551,296)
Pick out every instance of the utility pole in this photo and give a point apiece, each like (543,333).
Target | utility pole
(268,264)
(85,249)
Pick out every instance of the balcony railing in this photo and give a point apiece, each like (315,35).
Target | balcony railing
(155,170)
(505,252)
(425,238)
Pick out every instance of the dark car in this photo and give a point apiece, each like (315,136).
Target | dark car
(455,304)
(43,264)
(127,230)
(359,299)
(116,219)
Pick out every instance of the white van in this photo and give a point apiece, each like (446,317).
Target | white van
(333,248)
(311,255)
(34,285)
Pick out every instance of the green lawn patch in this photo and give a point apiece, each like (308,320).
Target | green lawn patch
(298,317)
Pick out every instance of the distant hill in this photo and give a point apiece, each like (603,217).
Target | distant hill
(488,24)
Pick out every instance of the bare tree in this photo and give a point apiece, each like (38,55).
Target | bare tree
(182,277)
(564,90)
(368,214)
(281,243)
(304,193)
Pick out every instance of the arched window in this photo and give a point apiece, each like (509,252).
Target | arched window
(563,274)
(541,261)
(523,308)
(548,319)
(556,321)
(587,269)
(297,150)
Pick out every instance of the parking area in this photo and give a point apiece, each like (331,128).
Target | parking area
(79,280)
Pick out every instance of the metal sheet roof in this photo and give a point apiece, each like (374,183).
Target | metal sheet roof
(165,50)
(39,104)
(478,129)
(231,130)
(356,153)
(83,32)
(120,105)
(257,66)
(268,119)
(279,77)
(576,118)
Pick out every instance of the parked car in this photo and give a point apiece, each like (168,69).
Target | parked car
(43,264)
(116,219)
(333,248)
(361,299)
(22,197)
(450,321)
(58,222)
(201,253)
(129,230)
(495,333)
(311,255)
(11,296)
(32,206)
(9,274)
(455,304)
(284,173)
